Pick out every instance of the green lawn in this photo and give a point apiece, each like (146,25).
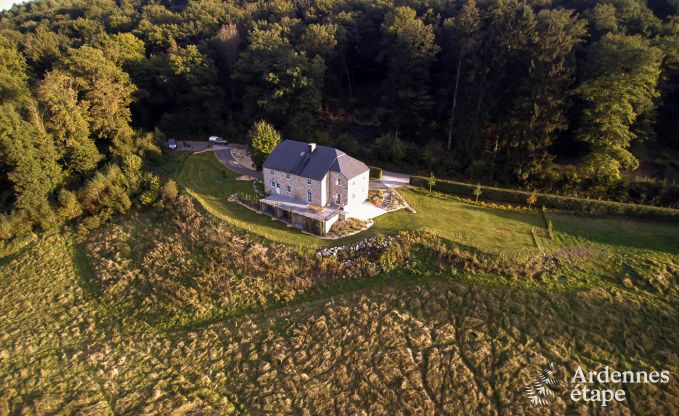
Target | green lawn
(211,183)
(618,232)
(206,179)
(484,228)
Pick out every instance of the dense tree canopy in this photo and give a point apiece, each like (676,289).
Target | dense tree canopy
(567,96)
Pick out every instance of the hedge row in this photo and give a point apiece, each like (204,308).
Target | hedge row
(376,172)
(582,205)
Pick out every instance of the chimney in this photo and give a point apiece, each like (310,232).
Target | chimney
(312,147)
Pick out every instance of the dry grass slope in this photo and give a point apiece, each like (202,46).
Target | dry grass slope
(171,314)
(61,352)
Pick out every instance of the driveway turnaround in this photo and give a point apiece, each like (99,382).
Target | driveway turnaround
(394,179)
(226,158)
(191,146)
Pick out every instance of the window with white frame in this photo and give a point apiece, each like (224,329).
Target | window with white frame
(308,196)
(339,181)
(272,171)
(273,183)
(308,181)
(289,190)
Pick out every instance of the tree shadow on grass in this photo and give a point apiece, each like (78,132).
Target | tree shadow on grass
(85,270)
(620,232)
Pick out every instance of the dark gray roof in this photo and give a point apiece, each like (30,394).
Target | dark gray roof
(291,156)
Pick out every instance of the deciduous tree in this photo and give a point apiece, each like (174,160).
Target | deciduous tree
(262,139)
(623,73)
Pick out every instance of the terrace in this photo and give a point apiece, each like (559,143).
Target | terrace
(299,214)
(296,206)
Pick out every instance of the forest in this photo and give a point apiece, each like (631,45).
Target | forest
(576,97)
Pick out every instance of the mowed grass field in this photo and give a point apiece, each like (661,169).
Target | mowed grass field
(487,229)
(206,179)
(619,232)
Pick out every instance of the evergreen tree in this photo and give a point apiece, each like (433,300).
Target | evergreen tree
(466,31)
(199,100)
(26,153)
(409,52)
(546,94)
(282,84)
(33,169)
(106,91)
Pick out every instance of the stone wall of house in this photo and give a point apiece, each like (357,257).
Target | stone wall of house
(298,186)
(334,188)
(352,191)
(324,192)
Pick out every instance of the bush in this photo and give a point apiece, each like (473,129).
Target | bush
(169,190)
(581,205)
(626,190)
(376,197)
(91,223)
(493,205)
(376,172)
(345,227)
(69,207)
(151,186)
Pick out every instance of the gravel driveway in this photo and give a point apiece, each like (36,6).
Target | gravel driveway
(394,179)
(224,155)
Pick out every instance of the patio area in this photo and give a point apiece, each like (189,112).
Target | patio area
(364,211)
(314,219)
(299,214)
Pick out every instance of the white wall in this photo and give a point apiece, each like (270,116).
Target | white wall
(357,191)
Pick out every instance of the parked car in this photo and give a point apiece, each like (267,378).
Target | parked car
(217,140)
(172,144)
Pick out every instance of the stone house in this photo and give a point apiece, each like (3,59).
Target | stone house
(310,185)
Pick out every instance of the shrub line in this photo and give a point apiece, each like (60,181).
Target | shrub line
(565,203)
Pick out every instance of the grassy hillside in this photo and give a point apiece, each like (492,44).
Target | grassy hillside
(488,229)
(211,184)
(172,310)
(400,344)
(63,352)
